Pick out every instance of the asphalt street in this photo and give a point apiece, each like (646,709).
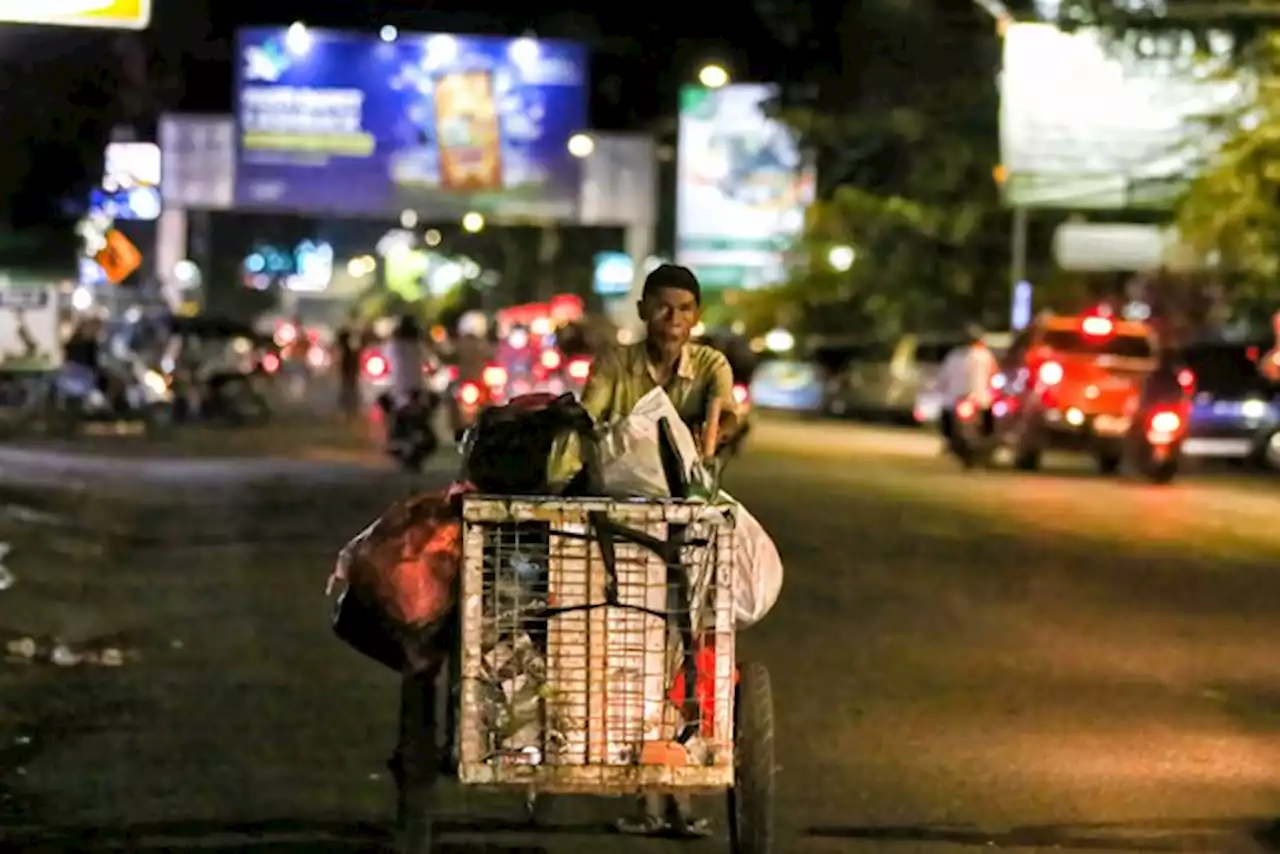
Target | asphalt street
(1031,662)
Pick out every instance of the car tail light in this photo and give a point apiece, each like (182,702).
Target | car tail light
(375,367)
(550,359)
(579,369)
(1097,327)
(1187,380)
(495,376)
(1051,373)
(740,395)
(965,410)
(270,363)
(469,394)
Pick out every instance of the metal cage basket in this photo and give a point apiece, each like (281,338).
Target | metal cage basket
(597,645)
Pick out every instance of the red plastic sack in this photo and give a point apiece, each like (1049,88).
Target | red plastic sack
(704,689)
(406,563)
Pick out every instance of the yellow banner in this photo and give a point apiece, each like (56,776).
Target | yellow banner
(102,14)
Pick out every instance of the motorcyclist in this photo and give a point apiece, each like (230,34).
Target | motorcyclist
(966,374)
(83,352)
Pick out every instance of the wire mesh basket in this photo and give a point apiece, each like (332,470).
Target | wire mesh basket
(597,645)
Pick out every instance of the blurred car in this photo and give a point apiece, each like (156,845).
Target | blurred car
(885,382)
(1076,383)
(929,401)
(787,385)
(1235,411)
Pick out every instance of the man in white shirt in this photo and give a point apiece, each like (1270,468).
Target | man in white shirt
(967,372)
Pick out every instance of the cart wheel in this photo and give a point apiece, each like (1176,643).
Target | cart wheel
(751,805)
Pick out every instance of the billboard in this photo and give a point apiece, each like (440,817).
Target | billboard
(345,123)
(99,14)
(1087,124)
(199,156)
(742,187)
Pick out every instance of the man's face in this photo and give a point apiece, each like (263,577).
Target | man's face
(670,315)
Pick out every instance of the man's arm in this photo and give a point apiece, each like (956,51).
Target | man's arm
(597,393)
(720,389)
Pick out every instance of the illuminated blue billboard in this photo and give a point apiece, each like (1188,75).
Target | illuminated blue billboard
(347,123)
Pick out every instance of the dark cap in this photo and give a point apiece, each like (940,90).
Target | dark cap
(672,276)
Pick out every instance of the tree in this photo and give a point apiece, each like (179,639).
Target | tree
(1229,213)
(907,139)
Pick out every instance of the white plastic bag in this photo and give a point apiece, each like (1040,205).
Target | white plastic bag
(632,467)
(630,458)
(757,569)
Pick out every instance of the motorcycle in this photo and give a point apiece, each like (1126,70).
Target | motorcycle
(967,430)
(410,432)
(1156,445)
(132,392)
(228,397)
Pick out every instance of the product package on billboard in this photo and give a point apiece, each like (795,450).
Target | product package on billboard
(346,123)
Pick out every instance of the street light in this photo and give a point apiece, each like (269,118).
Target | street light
(581,145)
(841,258)
(473,223)
(297,40)
(389,33)
(713,76)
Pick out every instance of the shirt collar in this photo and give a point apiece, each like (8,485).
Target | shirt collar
(684,366)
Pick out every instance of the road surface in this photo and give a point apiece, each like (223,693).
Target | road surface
(1048,662)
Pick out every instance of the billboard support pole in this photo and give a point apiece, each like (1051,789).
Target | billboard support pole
(1017,253)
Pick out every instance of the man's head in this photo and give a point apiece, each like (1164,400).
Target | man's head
(670,306)
(975,333)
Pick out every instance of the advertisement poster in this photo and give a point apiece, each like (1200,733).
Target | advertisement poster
(742,187)
(1087,125)
(199,156)
(345,123)
(29,339)
(101,14)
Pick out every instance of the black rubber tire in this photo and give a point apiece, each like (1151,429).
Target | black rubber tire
(752,817)
(1027,459)
(1162,473)
(1109,463)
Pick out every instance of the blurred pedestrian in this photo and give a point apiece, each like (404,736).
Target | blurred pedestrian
(351,340)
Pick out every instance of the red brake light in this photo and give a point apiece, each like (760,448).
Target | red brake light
(740,394)
(1252,354)
(965,410)
(270,363)
(494,376)
(579,369)
(550,359)
(469,394)
(1186,379)
(375,367)
(1050,373)
(1097,327)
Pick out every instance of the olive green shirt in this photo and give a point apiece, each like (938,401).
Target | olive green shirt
(621,376)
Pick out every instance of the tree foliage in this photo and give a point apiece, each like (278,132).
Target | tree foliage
(906,138)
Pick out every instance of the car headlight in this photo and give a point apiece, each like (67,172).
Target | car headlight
(1253,409)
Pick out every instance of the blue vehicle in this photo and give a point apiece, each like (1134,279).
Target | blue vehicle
(1235,412)
(789,386)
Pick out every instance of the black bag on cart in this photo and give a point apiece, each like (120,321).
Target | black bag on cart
(508,451)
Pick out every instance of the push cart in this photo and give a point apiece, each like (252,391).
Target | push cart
(597,657)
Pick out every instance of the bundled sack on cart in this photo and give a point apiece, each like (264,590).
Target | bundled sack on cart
(400,576)
(512,450)
(632,465)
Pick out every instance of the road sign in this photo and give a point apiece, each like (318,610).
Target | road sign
(119,258)
(97,14)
